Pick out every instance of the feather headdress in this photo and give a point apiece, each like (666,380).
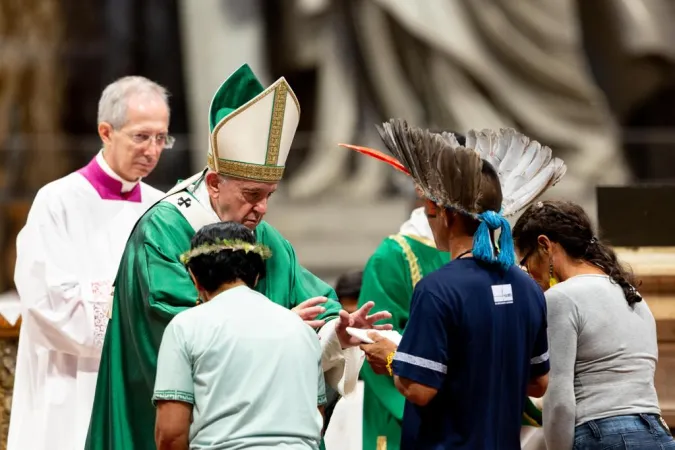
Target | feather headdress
(439,170)
(526,168)
(450,174)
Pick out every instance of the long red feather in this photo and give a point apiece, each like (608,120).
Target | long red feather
(378,155)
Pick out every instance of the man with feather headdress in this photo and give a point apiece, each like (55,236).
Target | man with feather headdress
(464,192)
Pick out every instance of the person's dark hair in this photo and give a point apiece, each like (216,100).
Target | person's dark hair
(490,199)
(349,284)
(568,224)
(491,190)
(212,270)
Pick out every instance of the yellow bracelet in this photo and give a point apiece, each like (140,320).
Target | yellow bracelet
(390,359)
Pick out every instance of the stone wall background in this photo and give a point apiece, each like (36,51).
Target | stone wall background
(8,348)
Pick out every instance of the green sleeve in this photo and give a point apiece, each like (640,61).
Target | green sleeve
(164,285)
(308,285)
(387,282)
(287,283)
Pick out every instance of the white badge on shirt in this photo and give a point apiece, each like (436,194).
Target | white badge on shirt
(502,294)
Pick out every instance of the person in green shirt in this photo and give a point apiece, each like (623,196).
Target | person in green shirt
(252,129)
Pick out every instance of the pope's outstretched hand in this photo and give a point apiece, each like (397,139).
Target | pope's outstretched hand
(309,309)
(359,319)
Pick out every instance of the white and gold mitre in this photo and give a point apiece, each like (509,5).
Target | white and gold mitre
(252,128)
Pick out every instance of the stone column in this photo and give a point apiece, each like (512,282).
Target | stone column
(218,37)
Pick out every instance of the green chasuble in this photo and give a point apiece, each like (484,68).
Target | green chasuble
(153,286)
(388,279)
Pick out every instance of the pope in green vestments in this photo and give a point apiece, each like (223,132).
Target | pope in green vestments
(251,133)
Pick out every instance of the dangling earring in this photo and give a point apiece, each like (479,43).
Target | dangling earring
(198,301)
(552,281)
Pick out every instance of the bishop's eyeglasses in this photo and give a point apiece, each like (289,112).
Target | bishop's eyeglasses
(162,140)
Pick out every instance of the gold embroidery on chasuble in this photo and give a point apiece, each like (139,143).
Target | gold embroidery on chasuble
(413,264)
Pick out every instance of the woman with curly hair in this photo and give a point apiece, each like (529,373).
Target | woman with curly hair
(602,336)
(237,371)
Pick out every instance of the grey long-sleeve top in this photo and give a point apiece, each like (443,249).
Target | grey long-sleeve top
(603,356)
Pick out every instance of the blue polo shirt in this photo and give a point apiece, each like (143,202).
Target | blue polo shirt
(476,333)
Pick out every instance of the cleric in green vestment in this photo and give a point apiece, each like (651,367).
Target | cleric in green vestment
(252,129)
(390,276)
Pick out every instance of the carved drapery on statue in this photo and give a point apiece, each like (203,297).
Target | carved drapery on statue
(459,64)
(631,49)
(447,65)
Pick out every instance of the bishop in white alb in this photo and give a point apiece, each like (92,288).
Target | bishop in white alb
(67,258)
